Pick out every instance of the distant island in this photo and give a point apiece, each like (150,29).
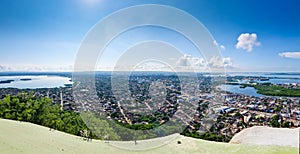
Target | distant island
(6,81)
(26,79)
(68,85)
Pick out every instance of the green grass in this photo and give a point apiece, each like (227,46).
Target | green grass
(23,137)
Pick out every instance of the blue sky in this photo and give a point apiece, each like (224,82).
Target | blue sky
(40,35)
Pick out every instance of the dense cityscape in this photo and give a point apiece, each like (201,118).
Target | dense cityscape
(158,98)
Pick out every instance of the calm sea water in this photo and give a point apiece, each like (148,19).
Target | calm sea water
(42,81)
(236,89)
(282,81)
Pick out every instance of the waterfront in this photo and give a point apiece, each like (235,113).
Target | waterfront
(251,78)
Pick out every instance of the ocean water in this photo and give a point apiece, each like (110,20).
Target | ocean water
(37,81)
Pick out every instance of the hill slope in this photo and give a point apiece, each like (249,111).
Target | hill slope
(23,137)
(259,135)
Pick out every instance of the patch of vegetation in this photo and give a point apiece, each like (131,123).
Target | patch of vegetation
(274,122)
(276,90)
(207,136)
(26,107)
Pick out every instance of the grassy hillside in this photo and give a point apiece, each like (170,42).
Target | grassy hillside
(23,137)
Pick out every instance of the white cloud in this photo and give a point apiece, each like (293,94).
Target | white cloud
(247,41)
(227,62)
(188,60)
(216,43)
(222,47)
(290,54)
(216,62)
(4,68)
(152,66)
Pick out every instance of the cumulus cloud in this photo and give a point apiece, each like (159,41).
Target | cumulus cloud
(247,41)
(188,60)
(222,47)
(216,62)
(227,62)
(295,55)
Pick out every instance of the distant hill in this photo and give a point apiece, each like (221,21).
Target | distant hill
(23,137)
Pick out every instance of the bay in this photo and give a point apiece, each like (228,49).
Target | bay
(236,89)
(34,81)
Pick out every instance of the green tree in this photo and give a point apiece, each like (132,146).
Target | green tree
(274,122)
